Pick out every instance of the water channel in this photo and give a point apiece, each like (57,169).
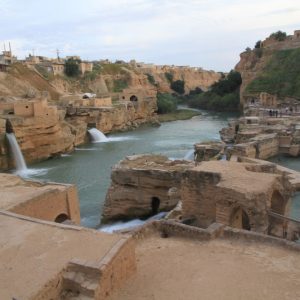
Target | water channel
(89,166)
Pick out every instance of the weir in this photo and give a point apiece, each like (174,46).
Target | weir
(97,136)
(17,153)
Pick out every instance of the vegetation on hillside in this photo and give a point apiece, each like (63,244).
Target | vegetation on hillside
(178,86)
(281,75)
(279,35)
(223,95)
(166,103)
(72,67)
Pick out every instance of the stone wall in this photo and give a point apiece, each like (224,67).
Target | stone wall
(45,201)
(100,279)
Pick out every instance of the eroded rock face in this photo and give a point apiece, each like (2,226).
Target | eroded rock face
(42,137)
(143,185)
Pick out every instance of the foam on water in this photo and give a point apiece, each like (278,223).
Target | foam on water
(111,228)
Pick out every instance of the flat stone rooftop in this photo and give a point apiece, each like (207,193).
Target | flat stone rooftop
(234,175)
(15,190)
(175,268)
(32,252)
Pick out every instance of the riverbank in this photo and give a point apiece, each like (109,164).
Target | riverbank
(179,114)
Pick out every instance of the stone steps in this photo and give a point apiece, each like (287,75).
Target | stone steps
(80,282)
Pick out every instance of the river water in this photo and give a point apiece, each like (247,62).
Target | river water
(89,166)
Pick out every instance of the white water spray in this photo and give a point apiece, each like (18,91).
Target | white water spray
(17,154)
(189,155)
(97,136)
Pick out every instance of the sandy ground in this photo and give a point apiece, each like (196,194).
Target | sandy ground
(31,254)
(180,269)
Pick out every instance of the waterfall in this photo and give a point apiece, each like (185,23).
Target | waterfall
(97,136)
(17,154)
(189,155)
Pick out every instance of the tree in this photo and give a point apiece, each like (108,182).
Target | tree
(178,86)
(258,44)
(72,67)
(278,35)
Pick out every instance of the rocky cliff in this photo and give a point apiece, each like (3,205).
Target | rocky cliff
(272,67)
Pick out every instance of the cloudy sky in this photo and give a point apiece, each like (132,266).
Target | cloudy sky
(205,33)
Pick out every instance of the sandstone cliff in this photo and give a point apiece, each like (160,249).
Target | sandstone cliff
(271,68)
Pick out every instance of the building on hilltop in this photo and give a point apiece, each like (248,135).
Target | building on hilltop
(6,59)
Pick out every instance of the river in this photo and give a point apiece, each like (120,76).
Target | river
(89,166)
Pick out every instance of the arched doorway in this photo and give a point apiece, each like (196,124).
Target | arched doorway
(134,98)
(61,218)
(240,219)
(155,203)
(277,225)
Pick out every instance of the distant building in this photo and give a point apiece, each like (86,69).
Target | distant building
(85,66)
(6,59)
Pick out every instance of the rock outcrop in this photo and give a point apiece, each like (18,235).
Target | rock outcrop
(143,185)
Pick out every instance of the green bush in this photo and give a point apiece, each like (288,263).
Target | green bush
(223,95)
(166,103)
(279,35)
(151,79)
(169,77)
(72,67)
(119,85)
(178,86)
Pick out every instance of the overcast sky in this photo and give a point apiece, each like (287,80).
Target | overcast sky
(204,33)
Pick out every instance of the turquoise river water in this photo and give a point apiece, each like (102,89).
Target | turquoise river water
(89,166)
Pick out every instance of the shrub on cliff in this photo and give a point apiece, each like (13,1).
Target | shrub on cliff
(169,77)
(72,67)
(151,79)
(178,86)
(279,35)
(166,103)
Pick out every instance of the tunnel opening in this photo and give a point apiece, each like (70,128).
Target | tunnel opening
(61,218)
(277,225)
(240,219)
(155,203)
(133,98)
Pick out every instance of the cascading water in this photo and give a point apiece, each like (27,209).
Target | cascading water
(97,136)
(189,155)
(17,154)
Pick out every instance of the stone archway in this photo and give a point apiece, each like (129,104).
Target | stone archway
(240,219)
(61,218)
(277,225)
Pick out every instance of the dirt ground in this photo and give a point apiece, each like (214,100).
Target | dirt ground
(180,269)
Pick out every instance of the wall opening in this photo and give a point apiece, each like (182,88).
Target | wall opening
(61,218)
(277,225)
(134,98)
(240,219)
(155,203)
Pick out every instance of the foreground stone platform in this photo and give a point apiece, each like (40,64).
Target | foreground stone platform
(179,267)
(45,260)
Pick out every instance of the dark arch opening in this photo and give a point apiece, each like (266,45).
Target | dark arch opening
(134,98)
(278,203)
(277,225)
(61,218)
(155,203)
(240,219)
(8,127)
